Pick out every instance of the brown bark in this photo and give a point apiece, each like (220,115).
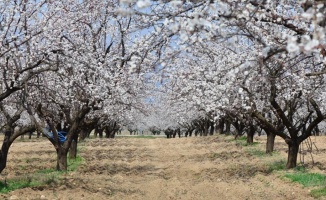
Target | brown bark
(239,126)
(186,133)
(293,149)
(4,150)
(179,132)
(73,148)
(270,142)
(196,132)
(38,134)
(85,132)
(112,128)
(190,132)
(316,131)
(112,134)
(100,133)
(62,164)
(227,127)
(250,135)
(3,159)
(211,130)
(206,127)
(220,126)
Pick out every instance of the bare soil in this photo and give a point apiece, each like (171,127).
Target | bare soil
(215,167)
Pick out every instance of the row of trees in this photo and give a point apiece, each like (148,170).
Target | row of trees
(159,63)
(260,65)
(79,63)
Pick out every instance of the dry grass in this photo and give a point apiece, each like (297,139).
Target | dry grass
(180,168)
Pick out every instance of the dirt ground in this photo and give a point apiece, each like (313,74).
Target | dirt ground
(214,167)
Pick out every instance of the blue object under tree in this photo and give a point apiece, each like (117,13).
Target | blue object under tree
(61,135)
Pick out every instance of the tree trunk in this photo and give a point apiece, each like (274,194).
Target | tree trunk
(100,133)
(228,127)
(4,151)
(250,135)
(250,139)
(190,132)
(112,134)
(196,132)
(239,127)
(62,164)
(239,131)
(270,142)
(73,148)
(84,132)
(316,131)
(206,128)
(89,133)
(220,126)
(293,149)
(38,134)
(211,130)
(3,160)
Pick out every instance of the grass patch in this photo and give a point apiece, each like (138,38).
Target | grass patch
(242,138)
(15,184)
(316,193)
(301,176)
(241,141)
(145,136)
(260,153)
(140,136)
(38,179)
(276,166)
(256,152)
(244,143)
(300,168)
(44,177)
(307,179)
(253,144)
(73,164)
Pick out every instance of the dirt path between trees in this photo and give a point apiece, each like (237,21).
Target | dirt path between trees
(141,168)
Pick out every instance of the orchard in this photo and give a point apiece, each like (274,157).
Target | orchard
(71,69)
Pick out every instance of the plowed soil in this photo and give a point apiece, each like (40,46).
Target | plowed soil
(214,167)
